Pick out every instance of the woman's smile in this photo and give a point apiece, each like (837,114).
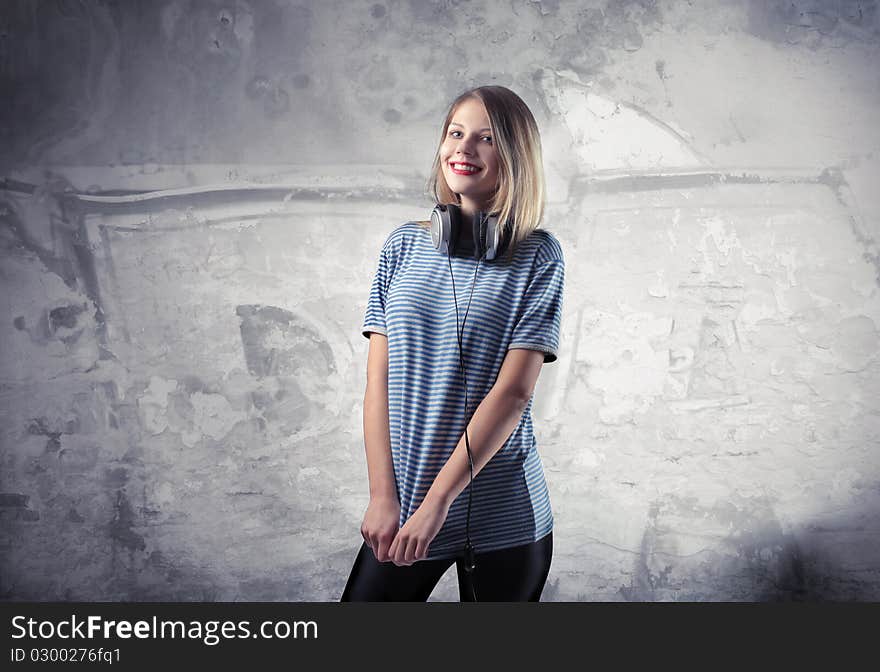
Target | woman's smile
(464,168)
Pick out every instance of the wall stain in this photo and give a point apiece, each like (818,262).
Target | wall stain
(120,527)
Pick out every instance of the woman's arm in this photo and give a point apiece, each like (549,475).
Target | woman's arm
(377,433)
(491,425)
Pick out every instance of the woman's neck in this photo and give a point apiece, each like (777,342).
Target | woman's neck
(469,207)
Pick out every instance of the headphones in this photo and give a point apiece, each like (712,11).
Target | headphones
(480,238)
(451,234)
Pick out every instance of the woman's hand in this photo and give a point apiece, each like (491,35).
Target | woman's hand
(412,541)
(381,522)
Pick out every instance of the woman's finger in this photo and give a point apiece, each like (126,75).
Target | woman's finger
(400,553)
(382,550)
(409,555)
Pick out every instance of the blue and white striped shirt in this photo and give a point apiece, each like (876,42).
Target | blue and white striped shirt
(516,304)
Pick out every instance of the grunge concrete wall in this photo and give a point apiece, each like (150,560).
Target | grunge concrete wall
(193,199)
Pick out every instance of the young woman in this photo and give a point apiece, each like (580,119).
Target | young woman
(452,460)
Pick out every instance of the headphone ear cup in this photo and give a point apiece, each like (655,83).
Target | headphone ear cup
(445,224)
(478,228)
(454,226)
(494,242)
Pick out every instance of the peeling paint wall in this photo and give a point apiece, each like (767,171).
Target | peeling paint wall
(193,199)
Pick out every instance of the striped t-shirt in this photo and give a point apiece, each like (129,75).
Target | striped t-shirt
(515,304)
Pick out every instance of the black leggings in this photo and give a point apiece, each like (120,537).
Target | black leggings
(515,574)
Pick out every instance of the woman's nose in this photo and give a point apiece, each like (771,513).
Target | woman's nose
(465,147)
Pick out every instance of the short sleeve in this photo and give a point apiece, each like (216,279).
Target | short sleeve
(374,319)
(537,327)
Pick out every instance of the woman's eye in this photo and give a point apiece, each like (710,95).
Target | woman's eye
(485,137)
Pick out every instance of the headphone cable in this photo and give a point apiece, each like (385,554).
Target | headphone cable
(470,563)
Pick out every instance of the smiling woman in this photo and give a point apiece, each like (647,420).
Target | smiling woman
(447,409)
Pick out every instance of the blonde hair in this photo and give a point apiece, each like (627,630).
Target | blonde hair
(519,198)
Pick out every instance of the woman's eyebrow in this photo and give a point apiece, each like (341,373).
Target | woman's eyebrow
(455,123)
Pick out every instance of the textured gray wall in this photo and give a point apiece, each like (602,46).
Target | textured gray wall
(195,195)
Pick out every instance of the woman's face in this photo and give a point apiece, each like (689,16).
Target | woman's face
(469,141)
